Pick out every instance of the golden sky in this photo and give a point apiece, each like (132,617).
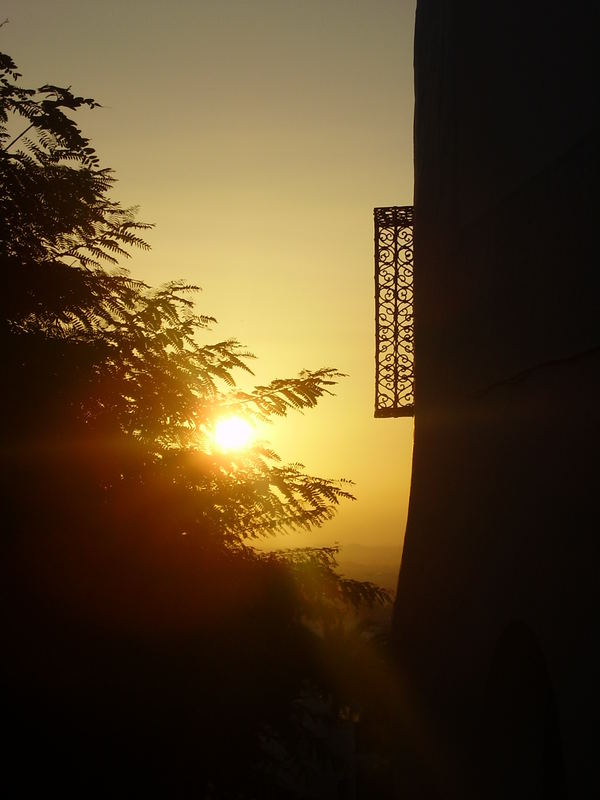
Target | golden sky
(258,136)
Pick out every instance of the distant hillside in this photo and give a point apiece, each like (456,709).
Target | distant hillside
(379,564)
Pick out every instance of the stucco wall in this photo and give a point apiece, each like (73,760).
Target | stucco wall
(503,516)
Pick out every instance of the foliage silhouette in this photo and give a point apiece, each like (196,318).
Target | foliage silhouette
(145,634)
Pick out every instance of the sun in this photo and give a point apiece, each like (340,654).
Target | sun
(233,433)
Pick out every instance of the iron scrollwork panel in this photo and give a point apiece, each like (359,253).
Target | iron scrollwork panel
(394,329)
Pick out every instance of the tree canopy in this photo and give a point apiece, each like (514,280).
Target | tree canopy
(137,603)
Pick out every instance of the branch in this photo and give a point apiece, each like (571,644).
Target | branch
(16,139)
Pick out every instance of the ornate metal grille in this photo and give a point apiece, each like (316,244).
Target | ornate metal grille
(394,332)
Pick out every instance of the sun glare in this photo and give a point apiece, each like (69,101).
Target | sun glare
(233,433)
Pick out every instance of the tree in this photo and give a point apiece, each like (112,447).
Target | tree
(127,537)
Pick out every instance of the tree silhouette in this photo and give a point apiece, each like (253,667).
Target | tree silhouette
(144,633)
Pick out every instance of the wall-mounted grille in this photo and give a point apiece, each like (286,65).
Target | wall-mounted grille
(394,331)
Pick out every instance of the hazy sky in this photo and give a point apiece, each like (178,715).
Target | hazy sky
(258,136)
